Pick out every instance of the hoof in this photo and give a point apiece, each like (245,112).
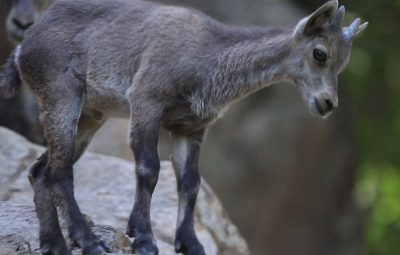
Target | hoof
(130,229)
(94,250)
(144,246)
(194,248)
(129,232)
(90,246)
(51,249)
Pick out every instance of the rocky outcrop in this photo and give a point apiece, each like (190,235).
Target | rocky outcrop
(19,232)
(104,188)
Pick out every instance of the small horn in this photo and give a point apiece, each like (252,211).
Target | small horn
(337,21)
(351,31)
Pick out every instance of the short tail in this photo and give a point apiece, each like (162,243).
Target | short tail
(10,79)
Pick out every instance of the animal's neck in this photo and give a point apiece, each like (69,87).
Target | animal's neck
(248,65)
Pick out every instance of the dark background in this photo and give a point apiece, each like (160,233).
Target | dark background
(295,184)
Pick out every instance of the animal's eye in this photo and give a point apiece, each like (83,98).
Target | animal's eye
(320,55)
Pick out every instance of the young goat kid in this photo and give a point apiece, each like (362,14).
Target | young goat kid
(164,67)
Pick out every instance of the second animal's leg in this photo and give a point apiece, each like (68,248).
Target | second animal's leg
(145,124)
(185,158)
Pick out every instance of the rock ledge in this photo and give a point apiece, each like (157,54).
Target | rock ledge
(105,188)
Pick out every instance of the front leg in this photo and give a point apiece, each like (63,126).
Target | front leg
(144,130)
(185,158)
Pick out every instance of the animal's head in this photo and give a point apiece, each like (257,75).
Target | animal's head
(22,15)
(321,50)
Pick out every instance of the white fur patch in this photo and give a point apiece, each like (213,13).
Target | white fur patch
(180,152)
(181,210)
(16,56)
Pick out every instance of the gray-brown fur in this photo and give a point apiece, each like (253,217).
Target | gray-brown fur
(22,107)
(163,67)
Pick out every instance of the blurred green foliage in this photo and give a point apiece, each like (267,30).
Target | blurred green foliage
(378,192)
(373,84)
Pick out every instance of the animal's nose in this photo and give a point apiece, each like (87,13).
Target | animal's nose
(23,24)
(329,105)
(330,100)
(325,104)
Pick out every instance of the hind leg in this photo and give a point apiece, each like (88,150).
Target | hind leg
(60,114)
(43,172)
(51,237)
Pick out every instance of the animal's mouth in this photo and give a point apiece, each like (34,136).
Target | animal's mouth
(17,34)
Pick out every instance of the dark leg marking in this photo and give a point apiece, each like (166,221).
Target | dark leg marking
(185,159)
(144,138)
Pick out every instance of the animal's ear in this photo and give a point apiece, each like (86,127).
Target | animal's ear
(316,20)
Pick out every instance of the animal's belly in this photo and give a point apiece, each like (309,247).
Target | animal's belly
(109,102)
(183,121)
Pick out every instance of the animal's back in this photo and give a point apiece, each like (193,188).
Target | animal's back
(64,39)
(66,29)
(106,42)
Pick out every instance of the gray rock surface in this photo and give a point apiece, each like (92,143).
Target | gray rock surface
(19,232)
(105,188)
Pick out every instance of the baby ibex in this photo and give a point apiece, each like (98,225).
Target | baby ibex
(164,67)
